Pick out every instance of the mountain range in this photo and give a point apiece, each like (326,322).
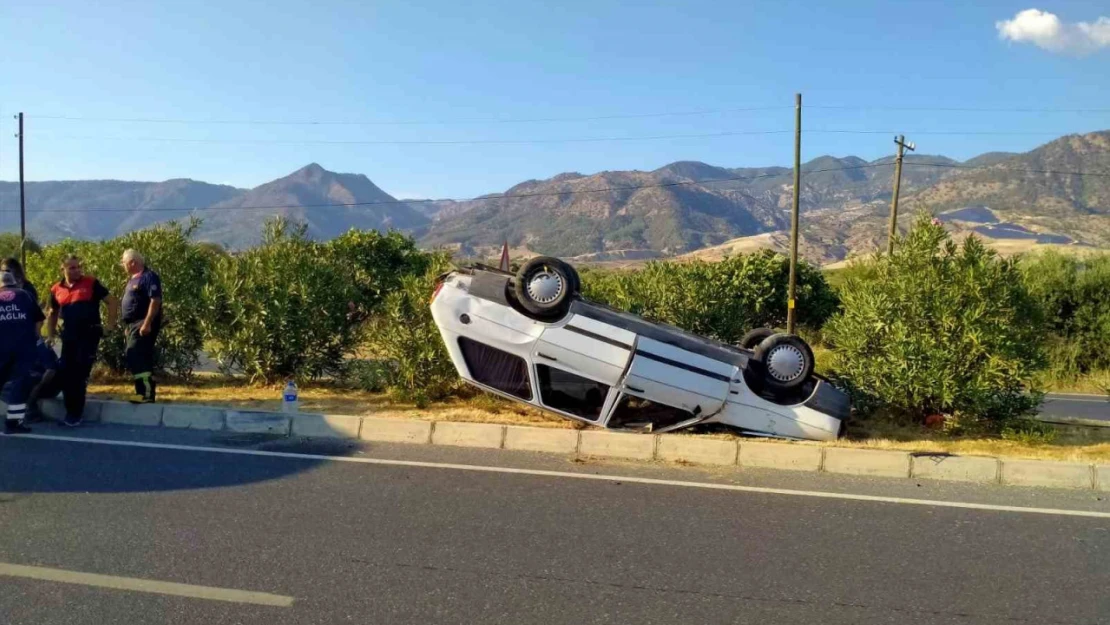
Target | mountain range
(677,209)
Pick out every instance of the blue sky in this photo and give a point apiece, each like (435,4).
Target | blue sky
(459,63)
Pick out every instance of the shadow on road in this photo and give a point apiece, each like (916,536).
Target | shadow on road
(41,465)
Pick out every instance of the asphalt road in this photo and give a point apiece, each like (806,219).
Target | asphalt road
(353,542)
(1076,406)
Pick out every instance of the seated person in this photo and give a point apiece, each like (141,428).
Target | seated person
(44,385)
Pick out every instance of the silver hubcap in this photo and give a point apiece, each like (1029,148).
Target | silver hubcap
(545,287)
(785,363)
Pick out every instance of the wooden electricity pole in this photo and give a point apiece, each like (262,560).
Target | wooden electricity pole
(794,213)
(900,141)
(22,202)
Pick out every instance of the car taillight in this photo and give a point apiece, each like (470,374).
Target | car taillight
(435,292)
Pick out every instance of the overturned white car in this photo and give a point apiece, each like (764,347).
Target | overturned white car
(531,338)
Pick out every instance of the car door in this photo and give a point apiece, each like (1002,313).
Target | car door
(671,376)
(586,347)
(577,365)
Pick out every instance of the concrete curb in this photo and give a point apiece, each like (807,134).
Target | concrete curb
(193,417)
(468,434)
(779,456)
(877,462)
(1045,473)
(548,440)
(957,468)
(596,443)
(602,444)
(696,450)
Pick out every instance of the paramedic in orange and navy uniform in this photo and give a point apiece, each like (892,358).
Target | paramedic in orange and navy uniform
(20,325)
(77,299)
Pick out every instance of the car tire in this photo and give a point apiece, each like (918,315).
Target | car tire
(755,337)
(545,286)
(785,361)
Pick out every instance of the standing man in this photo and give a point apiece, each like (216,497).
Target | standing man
(142,316)
(20,325)
(76,299)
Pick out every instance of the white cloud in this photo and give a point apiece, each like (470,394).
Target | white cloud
(1045,30)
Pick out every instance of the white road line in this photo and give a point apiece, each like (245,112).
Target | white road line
(144,585)
(581,476)
(1071,399)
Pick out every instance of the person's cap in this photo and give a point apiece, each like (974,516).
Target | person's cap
(7,278)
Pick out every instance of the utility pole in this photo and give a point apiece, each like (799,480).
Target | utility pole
(22,203)
(900,141)
(794,212)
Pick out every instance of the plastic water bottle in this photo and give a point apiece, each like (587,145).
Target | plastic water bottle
(289,397)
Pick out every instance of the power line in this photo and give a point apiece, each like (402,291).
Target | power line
(446,142)
(531,120)
(936,132)
(708,135)
(474,199)
(476,120)
(958,109)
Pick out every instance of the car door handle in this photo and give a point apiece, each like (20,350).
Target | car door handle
(542,355)
(634,389)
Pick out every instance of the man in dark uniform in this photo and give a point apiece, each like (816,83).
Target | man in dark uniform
(142,318)
(76,299)
(12,266)
(20,324)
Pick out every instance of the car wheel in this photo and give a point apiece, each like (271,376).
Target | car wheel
(785,360)
(755,337)
(544,286)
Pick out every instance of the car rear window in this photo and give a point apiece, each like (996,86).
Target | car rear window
(571,393)
(496,369)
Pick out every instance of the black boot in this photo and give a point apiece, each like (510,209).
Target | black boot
(15,426)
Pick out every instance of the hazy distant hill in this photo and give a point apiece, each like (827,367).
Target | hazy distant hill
(56,210)
(574,214)
(617,215)
(329,203)
(1035,189)
(683,206)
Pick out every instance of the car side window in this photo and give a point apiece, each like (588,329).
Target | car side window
(496,369)
(571,393)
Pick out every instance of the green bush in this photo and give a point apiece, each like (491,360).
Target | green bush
(9,245)
(281,310)
(376,263)
(168,249)
(1074,294)
(722,300)
(404,337)
(937,327)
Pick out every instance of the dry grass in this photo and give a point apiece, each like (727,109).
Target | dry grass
(332,399)
(1095,382)
(1067,446)
(484,408)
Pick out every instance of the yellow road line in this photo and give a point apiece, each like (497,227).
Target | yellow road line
(144,585)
